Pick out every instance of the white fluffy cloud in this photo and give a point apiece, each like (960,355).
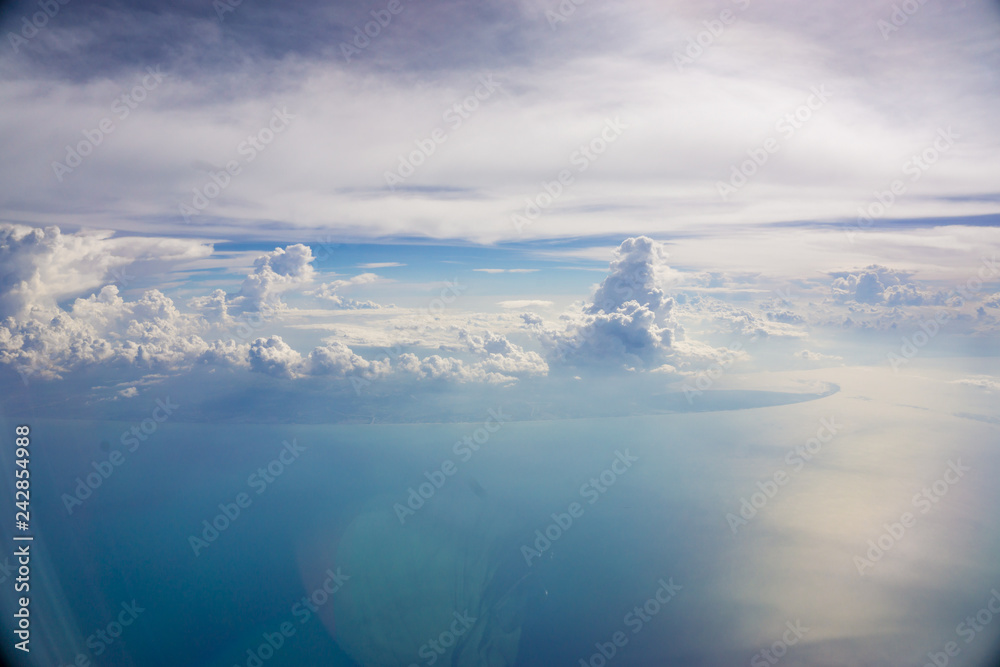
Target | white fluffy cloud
(632,322)
(628,322)
(726,318)
(878,285)
(498,355)
(273,356)
(42,266)
(275,272)
(149,333)
(337,359)
(638,272)
(329,292)
(41,339)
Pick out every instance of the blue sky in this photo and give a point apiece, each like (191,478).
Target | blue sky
(503,191)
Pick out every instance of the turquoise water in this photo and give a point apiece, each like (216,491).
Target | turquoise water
(635,509)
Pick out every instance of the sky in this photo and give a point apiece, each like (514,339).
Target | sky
(486,188)
(305,219)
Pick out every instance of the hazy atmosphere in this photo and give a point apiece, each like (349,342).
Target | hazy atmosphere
(555,332)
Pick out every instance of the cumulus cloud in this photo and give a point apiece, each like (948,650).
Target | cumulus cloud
(532,320)
(273,356)
(329,292)
(273,273)
(497,354)
(727,318)
(43,266)
(213,307)
(337,359)
(877,285)
(638,272)
(149,333)
(450,369)
(629,335)
(628,321)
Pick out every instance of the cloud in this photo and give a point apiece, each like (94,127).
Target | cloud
(638,272)
(337,359)
(275,272)
(328,292)
(817,357)
(43,266)
(627,335)
(743,321)
(506,270)
(499,355)
(878,285)
(985,382)
(517,304)
(149,333)
(448,369)
(628,321)
(273,356)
